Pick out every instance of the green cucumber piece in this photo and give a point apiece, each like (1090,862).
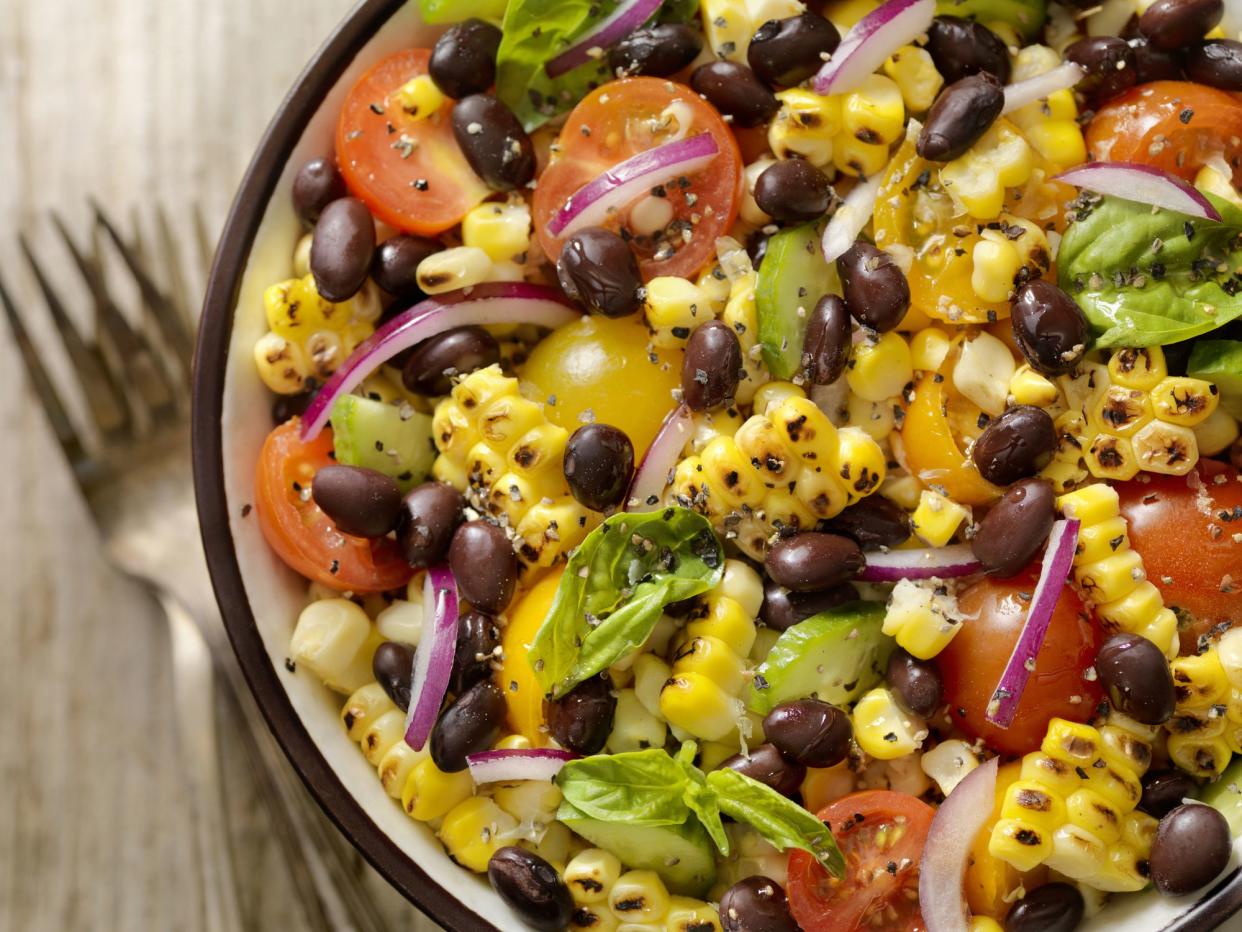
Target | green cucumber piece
(683,855)
(792,278)
(392,439)
(455,11)
(835,656)
(1026,16)
(1225,795)
(1220,362)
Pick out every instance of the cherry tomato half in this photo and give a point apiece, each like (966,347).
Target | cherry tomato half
(634,115)
(409,172)
(929,441)
(881,833)
(1183,527)
(302,535)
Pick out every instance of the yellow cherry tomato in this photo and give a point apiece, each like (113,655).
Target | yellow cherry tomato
(931,449)
(605,370)
(523,694)
(990,880)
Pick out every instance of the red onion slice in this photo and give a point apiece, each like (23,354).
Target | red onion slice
(1055,570)
(628,16)
(1040,87)
(1144,184)
(492,303)
(514,764)
(624,183)
(433,661)
(928,563)
(942,872)
(853,214)
(652,475)
(872,40)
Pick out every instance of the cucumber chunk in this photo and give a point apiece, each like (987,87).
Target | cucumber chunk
(392,439)
(792,278)
(1220,361)
(836,656)
(683,855)
(1225,795)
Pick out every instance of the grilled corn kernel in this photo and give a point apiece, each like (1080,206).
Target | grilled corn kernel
(595,917)
(634,728)
(712,658)
(1185,401)
(332,640)
(699,706)
(861,159)
(591,874)
(688,915)
(874,112)
(500,230)
(928,349)
(451,269)
(1217,433)
(282,364)
(382,734)
(1141,369)
(761,442)
(880,369)
(730,474)
(638,896)
(429,792)
(876,418)
(1092,812)
(1201,757)
(419,97)
(937,518)
(363,707)
(983,372)
(995,263)
(1028,387)
(915,74)
(1001,159)
(1111,457)
(862,463)
(674,307)
(809,432)
(883,729)
(397,764)
(1021,843)
(1122,411)
(805,126)
(472,830)
(919,619)
(1169,449)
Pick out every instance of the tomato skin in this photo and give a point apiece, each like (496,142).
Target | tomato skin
(973,662)
(868,890)
(1145,125)
(381,176)
(1176,540)
(302,535)
(614,123)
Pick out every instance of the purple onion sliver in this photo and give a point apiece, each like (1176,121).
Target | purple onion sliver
(928,563)
(651,476)
(517,764)
(1053,572)
(433,661)
(1040,87)
(1143,184)
(870,43)
(628,16)
(942,872)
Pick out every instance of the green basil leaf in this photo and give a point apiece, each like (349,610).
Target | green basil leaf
(616,586)
(781,821)
(1027,16)
(679,11)
(642,787)
(1149,278)
(701,798)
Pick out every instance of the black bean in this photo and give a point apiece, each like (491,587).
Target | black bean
(756,904)
(826,348)
(734,90)
(316,185)
(709,370)
(813,560)
(599,461)
(785,52)
(810,732)
(342,248)
(793,190)
(961,114)
(359,501)
(875,289)
(917,683)
(1216,63)
(1016,445)
(1054,907)
(1164,790)
(757,247)
(875,523)
(393,668)
(961,47)
(771,768)
(430,514)
(658,51)
(485,565)
(1174,24)
(1136,677)
(1154,64)
(494,143)
(463,60)
(1049,327)
(1191,848)
(287,406)
(531,887)
(581,720)
(1110,64)
(477,639)
(471,724)
(598,269)
(431,365)
(396,262)
(1015,530)
(783,609)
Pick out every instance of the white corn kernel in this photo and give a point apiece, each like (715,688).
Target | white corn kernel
(329,640)
(459,267)
(401,621)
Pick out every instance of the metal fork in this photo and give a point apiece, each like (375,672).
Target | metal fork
(133,469)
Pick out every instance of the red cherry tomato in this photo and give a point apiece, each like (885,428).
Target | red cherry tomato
(881,833)
(974,660)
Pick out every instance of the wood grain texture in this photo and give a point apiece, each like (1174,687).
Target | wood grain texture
(131,102)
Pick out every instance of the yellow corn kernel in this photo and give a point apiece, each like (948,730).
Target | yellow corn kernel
(983,372)
(1113,577)
(730,474)
(1122,411)
(687,915)
(634,728)
(876,418)
(540,450)
(712,658)
(506,419)
(1001,159)
(750,211)
(914,72)
(1092,812)
(382,734)
(1091,504)
(282,364)
(919,619)
(1028,387)
(295,309)
(674,307)
(1140,369)
(397,764)
(805,126)
(861,159)
(1050,772)
(1200,680)
(536,799)
(883,729)
(984,924)
(1162,631)
(809,432)
(760,441)
(1169,449)
(742,585)
(1102,539)
(1217,433)
(874,112)
(1201,757)
(1229,652)
(500,230)
(451,269)
(822,491)
(773,393)
(862,463)
(1111,457)
(928,349)
(1060,142)
(419,97)
(1033,802)
(472,830)
(594,917)
(714,284)
(548,530)
(995,263)
(937,518)
(429,792)
(879,369)
(1079,854)
(1132,611)
(650,674)
(728,27)
(591,874)
(638,896)
(363,707)
(1023,844)
(1183,400)
(697,705)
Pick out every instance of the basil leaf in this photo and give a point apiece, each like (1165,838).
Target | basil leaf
(615,587)
(700,798)
(1149,278)
(642,787)
(781,821)
(1027,16)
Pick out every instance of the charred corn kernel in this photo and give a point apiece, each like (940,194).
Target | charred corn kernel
(730,473)
(915,74)
(1140,369)
(295,309)
(282,364)
(881,368)
(874,112)
(634,728)
(500,230)
(1122,411)
(983,372)
(883,729)
(760,441)
(1023,844)
(419,97)
(1204,757)
(876,418)
(1129,740)
(451,269)
(1183,400)
(638,896)
(1030,800)
(1001,159)
(591,874)
(1111,457)
(920,619)
(674,307)
(809,432)
(1028,387)
(995,263)
(324,349)
(650,674)
(928,349)
(541,450)
(937,518)
(382,734)
(742,585)
(472,831)
(397,764)
(363,707)
(1091,811)
(861,159)
(805,126)
(862,463)
(694,703)
(595,917)
(429,792)
(333,642)
(688,915)
(1169,449)
(1217,433)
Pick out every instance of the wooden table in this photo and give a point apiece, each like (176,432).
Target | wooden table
(132,102)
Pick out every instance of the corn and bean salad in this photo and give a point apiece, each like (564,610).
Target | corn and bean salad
(763,465)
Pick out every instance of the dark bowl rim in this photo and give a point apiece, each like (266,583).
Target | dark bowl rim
(211,354)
